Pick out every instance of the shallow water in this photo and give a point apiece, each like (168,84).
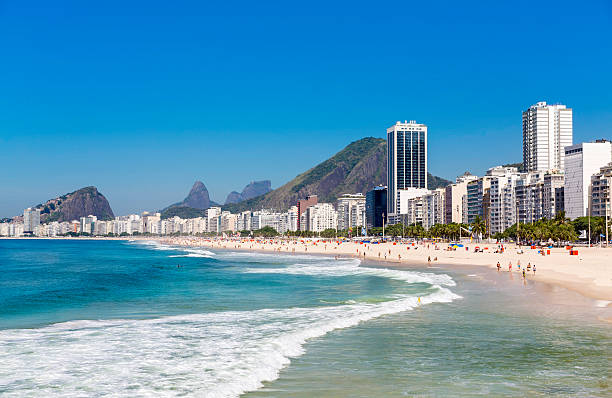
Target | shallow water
(140,319)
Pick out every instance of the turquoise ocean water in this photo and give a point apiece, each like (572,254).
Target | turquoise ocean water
(98,318)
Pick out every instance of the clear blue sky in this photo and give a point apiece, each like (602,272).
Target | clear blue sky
(143,99)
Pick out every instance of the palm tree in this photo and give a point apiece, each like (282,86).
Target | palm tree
(479,227)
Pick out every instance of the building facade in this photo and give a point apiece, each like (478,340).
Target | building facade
(31,220)
(547,130)
(319,217)
(406,160)
(600,195)
(302,206)
(455,199)
(351,211)
(581,162)
(376,207)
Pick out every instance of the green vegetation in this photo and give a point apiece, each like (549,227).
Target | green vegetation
(519,166)
(434,182)
(266,232)
(182,212)
(348,158)
(541,231)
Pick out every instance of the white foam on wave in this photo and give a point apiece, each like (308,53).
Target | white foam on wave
(216,355)
(212,355)
(191,251)
(346,267)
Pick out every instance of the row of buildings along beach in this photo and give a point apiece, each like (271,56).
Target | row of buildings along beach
(557,175)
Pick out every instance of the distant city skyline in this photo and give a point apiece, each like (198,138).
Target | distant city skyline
(142,106)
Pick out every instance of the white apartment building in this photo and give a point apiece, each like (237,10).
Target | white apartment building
(319,217)
(4,229)
(553,182)
(229,222)
(414,212)
(502,208)
(212,214)
(455,208)
(88,224)
(581,162)
(31,219)
(289,220)
(404,206)
(434,208)
(547,130)
(244,221)
(406,161)
(351,211)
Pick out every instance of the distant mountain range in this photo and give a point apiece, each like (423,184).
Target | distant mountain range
(198,199)
(72,206)
(359,167)
(254,189)
(194,205)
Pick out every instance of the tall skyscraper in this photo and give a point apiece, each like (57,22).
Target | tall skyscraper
(547,130)
(406,161)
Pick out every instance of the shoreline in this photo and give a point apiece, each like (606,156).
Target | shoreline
(587,273)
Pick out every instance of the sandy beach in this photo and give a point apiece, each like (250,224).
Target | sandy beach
(588,273)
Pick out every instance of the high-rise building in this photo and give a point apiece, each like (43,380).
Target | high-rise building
(351,211)
(376,207)
(31,220)
(302,206)
(455,196)
(319,217)
(601,192)
(88,224)
(547,130)
(434,208)
(581,162)
(406,161)
(502,212)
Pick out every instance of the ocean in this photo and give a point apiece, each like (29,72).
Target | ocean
(137,319)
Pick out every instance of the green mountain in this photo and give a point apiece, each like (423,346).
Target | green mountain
(359,167)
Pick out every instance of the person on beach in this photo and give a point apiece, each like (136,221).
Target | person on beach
(510,266)
(528,267)
(429,259)
(534,269)
(498,267)
(518,265)
(523,273)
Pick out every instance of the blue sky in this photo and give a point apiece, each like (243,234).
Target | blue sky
(141,100)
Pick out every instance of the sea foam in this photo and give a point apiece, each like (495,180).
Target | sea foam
(221,354)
